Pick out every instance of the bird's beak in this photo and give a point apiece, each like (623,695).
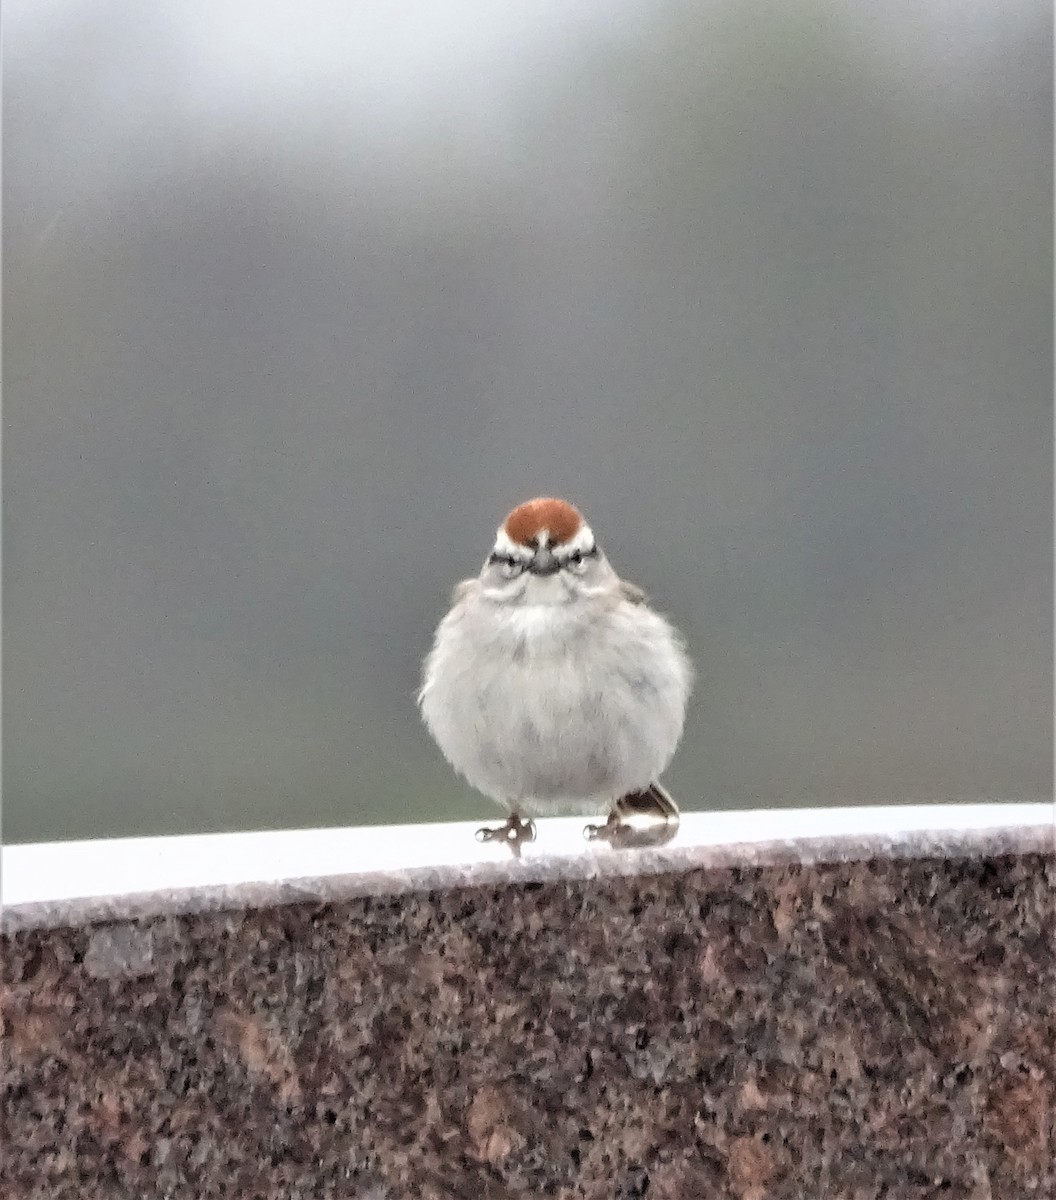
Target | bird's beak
(543,562)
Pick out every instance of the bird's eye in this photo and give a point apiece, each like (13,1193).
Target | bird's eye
(578,558)
(510,565)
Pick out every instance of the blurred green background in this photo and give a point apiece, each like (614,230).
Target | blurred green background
(299,300)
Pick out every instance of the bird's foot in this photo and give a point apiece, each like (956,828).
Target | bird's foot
(514,833)
(646,818)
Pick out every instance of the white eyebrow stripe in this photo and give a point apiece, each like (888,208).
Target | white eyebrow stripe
(582,540)
(505,545)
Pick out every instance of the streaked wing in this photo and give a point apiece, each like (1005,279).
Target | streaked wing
(632,592)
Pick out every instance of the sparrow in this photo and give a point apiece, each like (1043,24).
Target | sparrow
(552,686)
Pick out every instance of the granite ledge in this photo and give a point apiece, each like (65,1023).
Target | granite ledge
(539,867)
(851,1030)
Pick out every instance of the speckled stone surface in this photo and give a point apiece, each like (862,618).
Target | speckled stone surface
(542,868)
(849,1030)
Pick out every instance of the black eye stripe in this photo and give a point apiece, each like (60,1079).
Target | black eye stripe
(510,560)
(506,560)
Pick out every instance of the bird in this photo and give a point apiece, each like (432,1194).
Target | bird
(552,686)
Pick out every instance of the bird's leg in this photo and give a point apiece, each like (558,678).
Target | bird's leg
(646,818)
(514,833)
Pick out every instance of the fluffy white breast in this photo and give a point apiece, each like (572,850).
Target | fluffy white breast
(560,708)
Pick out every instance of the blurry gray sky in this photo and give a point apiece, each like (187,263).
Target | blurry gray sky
(299,300)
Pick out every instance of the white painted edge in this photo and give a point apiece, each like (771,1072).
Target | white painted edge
(56,871)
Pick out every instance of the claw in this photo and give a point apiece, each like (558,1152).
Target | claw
(646,818)
(514,833)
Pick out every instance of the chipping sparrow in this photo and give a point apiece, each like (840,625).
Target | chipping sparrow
(551,685)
